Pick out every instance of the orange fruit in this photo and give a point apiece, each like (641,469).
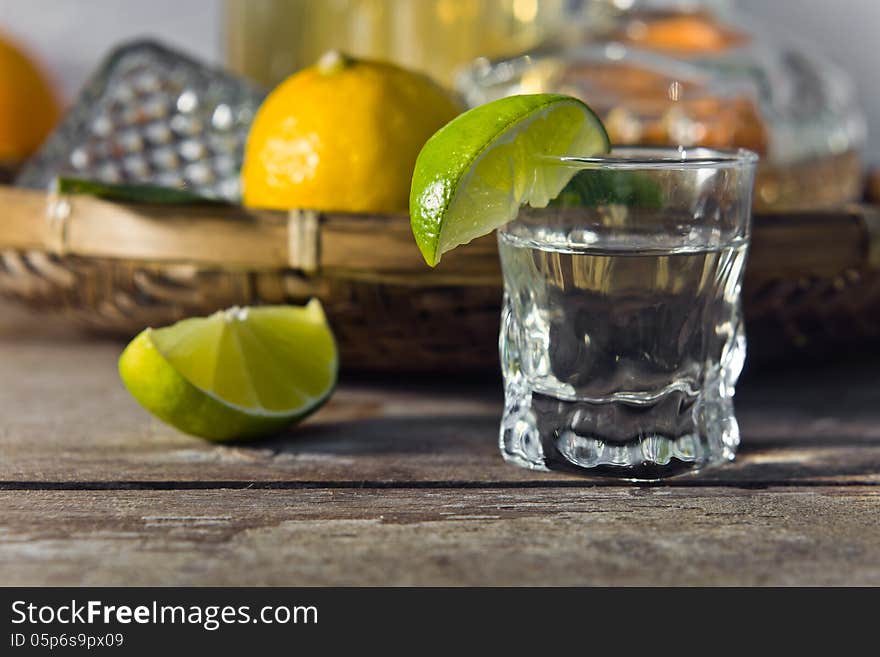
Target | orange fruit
(28,107)
(342,135)
(689,33)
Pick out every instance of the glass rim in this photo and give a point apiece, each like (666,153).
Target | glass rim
(674,158)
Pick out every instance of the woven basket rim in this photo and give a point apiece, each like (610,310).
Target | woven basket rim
(377,247)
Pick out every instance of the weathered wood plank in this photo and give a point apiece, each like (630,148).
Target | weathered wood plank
(543,536)
(455,513)
(66,417)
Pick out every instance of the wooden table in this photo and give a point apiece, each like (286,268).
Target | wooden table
(400,482)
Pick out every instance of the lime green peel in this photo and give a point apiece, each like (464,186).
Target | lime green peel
(132,192)
(476,172)
(240,373)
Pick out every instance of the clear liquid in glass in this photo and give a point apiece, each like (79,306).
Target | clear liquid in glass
(619,358)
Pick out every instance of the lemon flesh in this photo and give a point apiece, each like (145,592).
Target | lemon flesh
(240,373)
(476,172)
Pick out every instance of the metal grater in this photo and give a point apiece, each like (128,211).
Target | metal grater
(153,115)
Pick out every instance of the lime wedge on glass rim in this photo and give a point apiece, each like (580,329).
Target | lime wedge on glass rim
(476,172)
(240,373)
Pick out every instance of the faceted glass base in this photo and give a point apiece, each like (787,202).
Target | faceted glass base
(545,433)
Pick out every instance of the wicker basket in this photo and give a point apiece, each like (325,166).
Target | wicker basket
(116,267)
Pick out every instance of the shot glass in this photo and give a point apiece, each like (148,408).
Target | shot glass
(621,332)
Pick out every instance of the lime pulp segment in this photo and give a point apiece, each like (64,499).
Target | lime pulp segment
(241,372)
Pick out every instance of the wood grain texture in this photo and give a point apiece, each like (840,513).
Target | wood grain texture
(399,482)
(67,418)
(610,536)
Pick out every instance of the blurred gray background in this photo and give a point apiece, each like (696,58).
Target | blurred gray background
(70,36)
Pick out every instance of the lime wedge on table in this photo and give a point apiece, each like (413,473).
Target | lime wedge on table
(476,172)
(240,373)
